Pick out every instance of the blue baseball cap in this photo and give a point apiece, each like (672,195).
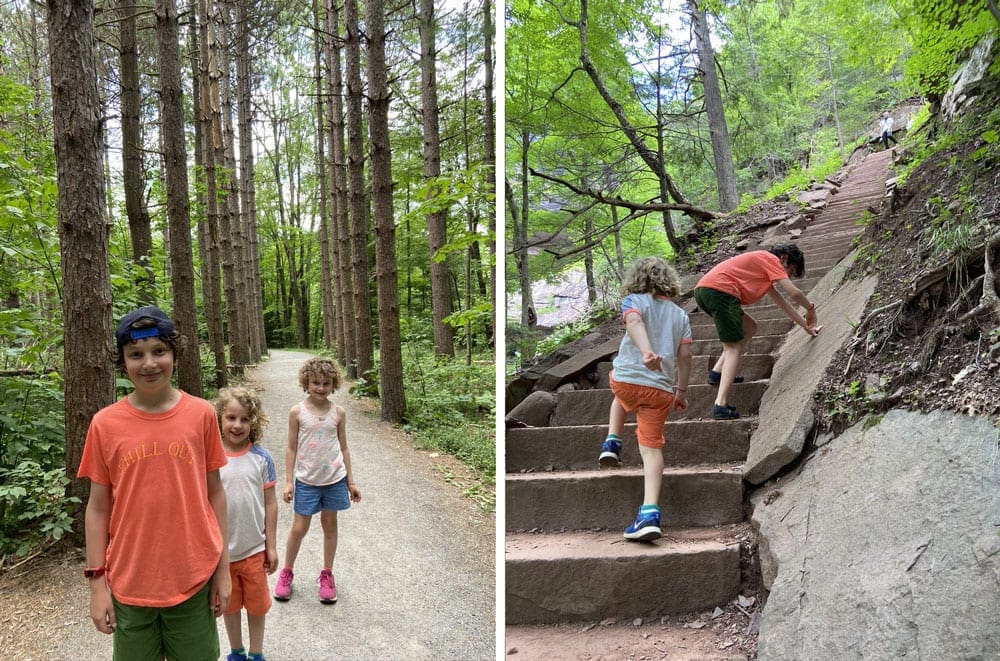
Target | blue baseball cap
(125,333)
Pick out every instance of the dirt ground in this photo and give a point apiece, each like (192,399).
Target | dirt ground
(724,635)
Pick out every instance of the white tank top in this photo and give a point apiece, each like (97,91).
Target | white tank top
(318,461)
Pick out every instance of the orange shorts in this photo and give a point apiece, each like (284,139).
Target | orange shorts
(651,406)
(250,589)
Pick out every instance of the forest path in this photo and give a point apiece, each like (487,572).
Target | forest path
(415,564)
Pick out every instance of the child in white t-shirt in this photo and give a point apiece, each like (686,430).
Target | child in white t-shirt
(248,479)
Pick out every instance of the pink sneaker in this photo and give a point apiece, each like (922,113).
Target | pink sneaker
(327,589)
(283,589)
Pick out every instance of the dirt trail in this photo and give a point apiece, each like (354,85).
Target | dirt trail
(415,565)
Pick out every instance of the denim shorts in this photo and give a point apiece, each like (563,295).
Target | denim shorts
(309,499)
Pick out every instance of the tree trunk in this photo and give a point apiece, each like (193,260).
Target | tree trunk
(132,170)
(717,128)
(224,177)
(355,186)
(588,260)
(326,270)
(178,206)
(346,344)
(436,221)
(619,255)
(211,280)
(390,348)
(836,109)
(249,285)
(83,231)
(489,140)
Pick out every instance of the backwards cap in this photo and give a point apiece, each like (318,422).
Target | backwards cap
(125,333)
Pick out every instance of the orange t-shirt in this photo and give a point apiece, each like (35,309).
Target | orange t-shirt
(165,542)
(747,276)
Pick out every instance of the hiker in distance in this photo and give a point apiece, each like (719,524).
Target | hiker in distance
(885,125)
(744,280)
(649,376)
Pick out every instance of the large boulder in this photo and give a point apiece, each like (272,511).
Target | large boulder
(533,411)
(884,544)
(785,415)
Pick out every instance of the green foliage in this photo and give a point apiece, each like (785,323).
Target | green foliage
(566,333)
(942,30)
(33,505)
(34,509)
(450,406)
(848,405)
(798,178)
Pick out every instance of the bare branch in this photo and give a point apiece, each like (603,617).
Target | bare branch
(695,212)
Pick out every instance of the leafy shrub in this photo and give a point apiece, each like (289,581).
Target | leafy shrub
(450,406)
(33,504)
(574,330)
(34,508)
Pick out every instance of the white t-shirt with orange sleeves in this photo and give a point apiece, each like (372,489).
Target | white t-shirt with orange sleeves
(248,474)
(165,542)
(667,328)
(318,460)
(747,276)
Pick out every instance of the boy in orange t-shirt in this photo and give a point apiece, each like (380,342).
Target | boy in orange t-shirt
(744,280)
(156,516)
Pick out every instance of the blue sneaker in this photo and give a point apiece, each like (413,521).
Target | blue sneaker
(611,454)
(236,656)
(645,528)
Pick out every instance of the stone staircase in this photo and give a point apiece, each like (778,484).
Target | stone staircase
(566,560)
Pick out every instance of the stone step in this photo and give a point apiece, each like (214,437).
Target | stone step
(575,577)
(828,245)
(688,442)
(753,367)
(703,328)
(758,344)
(575,408)
(690,496)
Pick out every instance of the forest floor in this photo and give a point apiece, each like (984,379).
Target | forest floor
(415,563)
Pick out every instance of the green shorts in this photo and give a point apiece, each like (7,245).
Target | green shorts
(725,310)
(185,632)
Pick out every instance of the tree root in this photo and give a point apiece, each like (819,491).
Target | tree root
(989,300)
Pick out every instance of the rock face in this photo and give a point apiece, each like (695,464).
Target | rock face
(785,416)
(885,544)
(967,82)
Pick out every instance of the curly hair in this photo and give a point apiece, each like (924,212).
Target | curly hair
(652,275)
(319,366)
(250,402)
